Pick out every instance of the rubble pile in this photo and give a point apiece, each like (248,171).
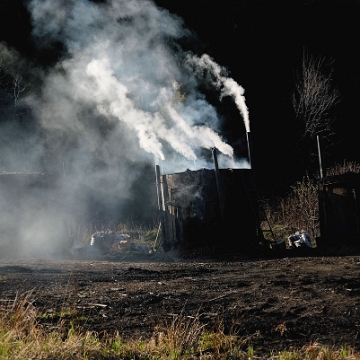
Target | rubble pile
(106,243)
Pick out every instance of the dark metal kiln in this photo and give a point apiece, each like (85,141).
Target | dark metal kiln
(207,208)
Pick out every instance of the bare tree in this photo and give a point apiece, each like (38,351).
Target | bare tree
(18,88)
(17,128)
(315,96)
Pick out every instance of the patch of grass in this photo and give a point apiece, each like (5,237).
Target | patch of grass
(62,314)
(150,235)
(184,337)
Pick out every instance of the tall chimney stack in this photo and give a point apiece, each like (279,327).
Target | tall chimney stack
(218,184)
(249,146)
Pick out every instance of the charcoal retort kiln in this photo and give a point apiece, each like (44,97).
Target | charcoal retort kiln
(209,208)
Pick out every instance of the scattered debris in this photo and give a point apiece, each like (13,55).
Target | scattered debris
(103,240)
(105,243)
(98,305)
(84,251)
(141,248)
(299,239)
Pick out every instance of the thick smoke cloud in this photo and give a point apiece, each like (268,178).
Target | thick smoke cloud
(121,98)
(218,77)
(121,61)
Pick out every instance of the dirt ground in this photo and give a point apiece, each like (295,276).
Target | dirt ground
(273,303)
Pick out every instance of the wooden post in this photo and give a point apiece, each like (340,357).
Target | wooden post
(320,157)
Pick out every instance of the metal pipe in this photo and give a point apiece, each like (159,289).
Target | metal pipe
(157,179)
(249,147)
(161,202)
(218,184)
(320,157)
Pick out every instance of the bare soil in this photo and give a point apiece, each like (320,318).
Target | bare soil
(272,303)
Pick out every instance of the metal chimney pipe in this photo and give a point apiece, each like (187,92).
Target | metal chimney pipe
(161,201)
(249,147)
(218,184)
(157,180)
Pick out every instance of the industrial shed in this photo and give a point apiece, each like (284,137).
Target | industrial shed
(339,202)
(208,208)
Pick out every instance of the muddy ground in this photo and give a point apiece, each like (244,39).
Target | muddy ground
(272,303)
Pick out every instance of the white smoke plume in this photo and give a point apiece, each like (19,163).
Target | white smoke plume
(228,86)
(120,62)
(120,97)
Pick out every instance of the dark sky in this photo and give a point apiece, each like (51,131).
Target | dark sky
(261,43)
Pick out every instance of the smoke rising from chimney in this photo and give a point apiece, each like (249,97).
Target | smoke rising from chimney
(121,96)
(120,61)
(227,86)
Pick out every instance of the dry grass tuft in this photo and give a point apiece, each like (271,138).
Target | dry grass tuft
(181,335)
(346,166)
(185,337)
(299,210)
